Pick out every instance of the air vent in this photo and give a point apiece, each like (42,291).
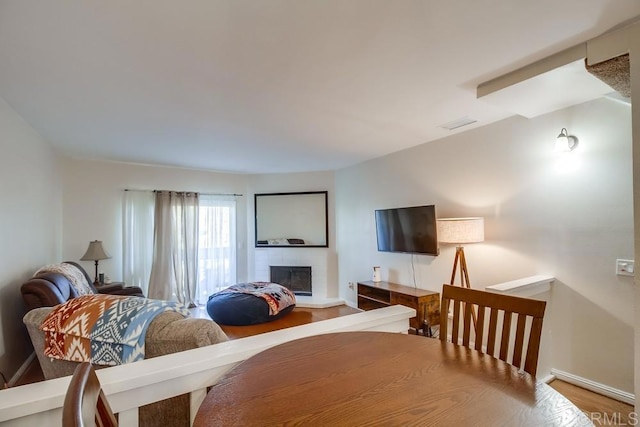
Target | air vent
(464,121)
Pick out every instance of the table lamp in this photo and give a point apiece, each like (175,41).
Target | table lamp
(95,252)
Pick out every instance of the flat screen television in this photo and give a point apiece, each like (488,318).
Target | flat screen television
(409,230)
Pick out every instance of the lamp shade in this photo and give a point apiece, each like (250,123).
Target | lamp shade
(461,230)
(565,142)
(95,252)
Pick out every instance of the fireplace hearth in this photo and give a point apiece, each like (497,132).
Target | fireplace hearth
(297,279)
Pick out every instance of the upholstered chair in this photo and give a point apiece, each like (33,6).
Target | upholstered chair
(50,289)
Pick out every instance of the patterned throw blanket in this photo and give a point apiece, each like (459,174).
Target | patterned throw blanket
(102,329)
(73,275)
(277,296)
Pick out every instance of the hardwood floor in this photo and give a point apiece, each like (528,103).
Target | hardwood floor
(602,410)
(32,374)
(299,316)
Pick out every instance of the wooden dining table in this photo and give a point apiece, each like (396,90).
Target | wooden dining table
(379,378)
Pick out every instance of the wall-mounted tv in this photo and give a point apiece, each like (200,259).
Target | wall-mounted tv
(410,230)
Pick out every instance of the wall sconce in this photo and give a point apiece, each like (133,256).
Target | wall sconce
(565,142)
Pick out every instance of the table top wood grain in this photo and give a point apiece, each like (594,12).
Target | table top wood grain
(378,378)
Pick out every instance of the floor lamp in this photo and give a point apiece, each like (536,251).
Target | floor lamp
(459,231)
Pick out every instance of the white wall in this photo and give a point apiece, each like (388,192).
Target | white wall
(297,182)
(93,196)
(634,40)
(540,218)
(31,224)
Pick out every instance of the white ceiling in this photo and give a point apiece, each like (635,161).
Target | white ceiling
(271,85)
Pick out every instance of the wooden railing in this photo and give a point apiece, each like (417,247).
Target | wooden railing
(130,386)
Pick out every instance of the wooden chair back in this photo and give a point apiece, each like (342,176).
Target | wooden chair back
(85,403)
(464,302)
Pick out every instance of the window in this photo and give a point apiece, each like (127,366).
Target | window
(216,242)
(216,245)
(137,239)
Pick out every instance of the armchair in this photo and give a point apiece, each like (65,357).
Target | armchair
(49,289)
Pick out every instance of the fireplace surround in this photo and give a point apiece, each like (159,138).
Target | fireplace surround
(322,262)
(295,278)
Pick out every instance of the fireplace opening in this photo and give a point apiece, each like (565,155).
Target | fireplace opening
(296,279)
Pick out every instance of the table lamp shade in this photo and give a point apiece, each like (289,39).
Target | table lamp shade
(95,252)
(460,230)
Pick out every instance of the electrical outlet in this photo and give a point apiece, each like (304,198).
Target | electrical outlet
(351,285)
(625,267)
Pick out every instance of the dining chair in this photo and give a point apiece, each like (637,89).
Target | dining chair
(465,301)
(85,403)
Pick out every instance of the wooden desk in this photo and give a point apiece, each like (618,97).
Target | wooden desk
(377,378)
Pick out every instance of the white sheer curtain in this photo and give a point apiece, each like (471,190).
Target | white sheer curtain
(137,238)
(175,254)
(217,245)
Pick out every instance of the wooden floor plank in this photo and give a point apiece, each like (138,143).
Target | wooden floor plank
(602,410)
(299,316)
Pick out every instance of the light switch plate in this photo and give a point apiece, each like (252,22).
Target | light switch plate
(625,267)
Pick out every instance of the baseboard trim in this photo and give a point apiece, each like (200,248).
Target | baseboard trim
(311,302)
(548,378)
(23,368)
(605,390)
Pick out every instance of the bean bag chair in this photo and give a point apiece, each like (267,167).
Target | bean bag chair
(250,303)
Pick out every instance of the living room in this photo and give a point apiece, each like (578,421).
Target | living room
(537,220)
(542,216)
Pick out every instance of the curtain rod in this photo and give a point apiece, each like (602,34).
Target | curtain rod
(204,194)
